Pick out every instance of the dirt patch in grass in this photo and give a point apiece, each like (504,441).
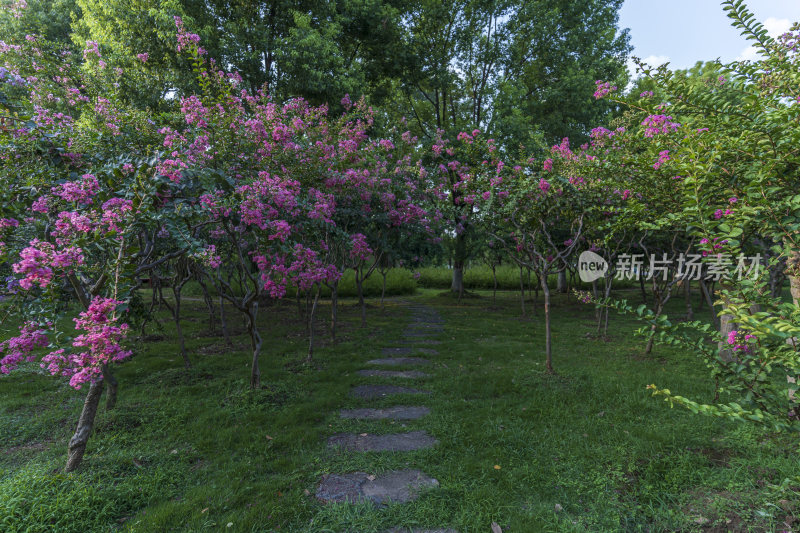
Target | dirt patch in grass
(715,456)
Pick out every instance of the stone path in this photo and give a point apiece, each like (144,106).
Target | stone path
(409,374)
(400,486)
(394,361)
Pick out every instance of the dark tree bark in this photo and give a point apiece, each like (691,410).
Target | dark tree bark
(77,444)
(548,338)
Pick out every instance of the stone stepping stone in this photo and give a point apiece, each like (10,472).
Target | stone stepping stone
(400,486)
(397,361)
(425,327)
(368,392)
(409,374)
(392,442)
(407,350)
(419,341)
(396,413)
(416,334)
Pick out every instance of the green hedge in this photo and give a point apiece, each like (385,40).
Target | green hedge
(399,282)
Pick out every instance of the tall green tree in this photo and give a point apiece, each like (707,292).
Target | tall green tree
(523,72)
(318,50)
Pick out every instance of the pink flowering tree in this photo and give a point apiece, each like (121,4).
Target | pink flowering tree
(81,208)
(736,185)
(540,216)
(458,170)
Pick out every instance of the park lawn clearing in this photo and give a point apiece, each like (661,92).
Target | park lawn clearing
(585,449)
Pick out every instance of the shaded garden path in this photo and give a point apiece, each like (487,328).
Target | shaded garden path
(397,486)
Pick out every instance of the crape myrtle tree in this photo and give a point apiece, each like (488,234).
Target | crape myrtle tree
(81,194)
(538,213)
(283,184)
(241,190)
(521,72)
(641,209)
(737,159)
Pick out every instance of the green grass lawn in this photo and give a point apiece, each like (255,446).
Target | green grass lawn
(586,449)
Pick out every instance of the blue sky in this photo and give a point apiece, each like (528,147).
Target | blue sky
(685,31)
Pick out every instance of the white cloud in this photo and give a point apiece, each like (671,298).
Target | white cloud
(775,27)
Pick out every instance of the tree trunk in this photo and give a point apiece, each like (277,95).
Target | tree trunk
(223,321)
(212,315)
(643,289)
(181,340)
(598,311)
(726,326)
(334,309)
(361,302)
(548,339)
(561,285)
(383,289)
(687,295)
(310,355)
(651,339)
(494,290)
(793,273)
(113,386)
(457,285)
(77,444)
(707,297)
(607,282)
(255,343)
(522,292)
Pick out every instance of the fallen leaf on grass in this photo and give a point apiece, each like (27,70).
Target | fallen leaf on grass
(496,528)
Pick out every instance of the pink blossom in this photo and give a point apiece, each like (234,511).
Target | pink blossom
(663,157)
(19,348)
(209,257)
(544,185)
(40,259)
(78,191)
(659,124)
(102,340)
(603,88)
(359,250)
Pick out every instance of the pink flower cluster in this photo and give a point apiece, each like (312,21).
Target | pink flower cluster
(186,40)
(359,248)
(102,340)
(544,185)
(740,341)
(92,48)
(19,348)
(40,259)
(81,191)
(663,157)
(659,124)
(209,257)
(603,88)
(115,211)
(70,224)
